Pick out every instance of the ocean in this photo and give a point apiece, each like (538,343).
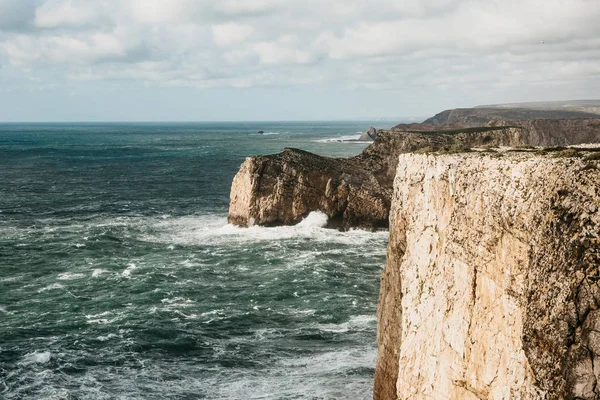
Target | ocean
(120,278)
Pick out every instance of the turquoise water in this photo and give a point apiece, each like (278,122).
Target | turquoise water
(120,278)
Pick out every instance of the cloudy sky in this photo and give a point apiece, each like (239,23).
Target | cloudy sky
(96,60)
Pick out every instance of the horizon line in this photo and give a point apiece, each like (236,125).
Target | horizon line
(211,121)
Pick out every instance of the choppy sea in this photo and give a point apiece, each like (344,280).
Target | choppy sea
(120,278)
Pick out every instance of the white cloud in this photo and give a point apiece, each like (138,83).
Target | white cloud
(285,50)
(61,13)
(411,45)
(237,7)
(230,33)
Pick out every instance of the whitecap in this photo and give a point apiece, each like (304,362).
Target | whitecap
(106,337)
(98,271)
(97,318)
(213,312)
(186,316)
(36,358)
(334,362)
(355,323)
(101,321)
(342,139)
(67,276)
(214,231)
(51,287)
(102,314)
(129,269)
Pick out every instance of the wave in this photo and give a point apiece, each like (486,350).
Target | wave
(130,268)
(213,230)
(342,139)
(68,276)
(36,358)
(356,323)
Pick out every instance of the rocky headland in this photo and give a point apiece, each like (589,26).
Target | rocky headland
(491,288)
(356,192)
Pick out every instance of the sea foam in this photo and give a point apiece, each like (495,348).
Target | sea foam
(36,358)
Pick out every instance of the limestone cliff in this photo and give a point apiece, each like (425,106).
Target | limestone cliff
(491,287)
(356,192)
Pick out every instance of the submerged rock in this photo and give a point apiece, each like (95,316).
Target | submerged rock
(491,286)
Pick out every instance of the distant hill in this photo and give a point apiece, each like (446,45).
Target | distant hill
(482,115)
(588,106)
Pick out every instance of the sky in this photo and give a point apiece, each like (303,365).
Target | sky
(225,60)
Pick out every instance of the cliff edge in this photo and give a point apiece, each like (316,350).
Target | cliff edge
(356,192)
(491,286)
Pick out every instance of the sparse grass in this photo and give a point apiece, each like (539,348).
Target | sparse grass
(478,129)
(550,149)
(567,153)
(592,157)
(425,150)
(454,149)
(450,149)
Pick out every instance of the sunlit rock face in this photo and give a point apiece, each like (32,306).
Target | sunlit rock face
(490,290)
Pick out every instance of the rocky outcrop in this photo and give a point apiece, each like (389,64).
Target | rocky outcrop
(369,135)
(356,192)
(282,189)
(491,286)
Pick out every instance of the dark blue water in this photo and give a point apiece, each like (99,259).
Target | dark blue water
(120,278)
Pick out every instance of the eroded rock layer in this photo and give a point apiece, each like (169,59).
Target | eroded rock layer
(491,290)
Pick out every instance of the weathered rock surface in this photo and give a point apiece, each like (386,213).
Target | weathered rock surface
(356,192)
(491,287)
(284,188)
(369,135)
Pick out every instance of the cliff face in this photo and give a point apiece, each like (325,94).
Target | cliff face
(491,290)
(555,132)
(356,192)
